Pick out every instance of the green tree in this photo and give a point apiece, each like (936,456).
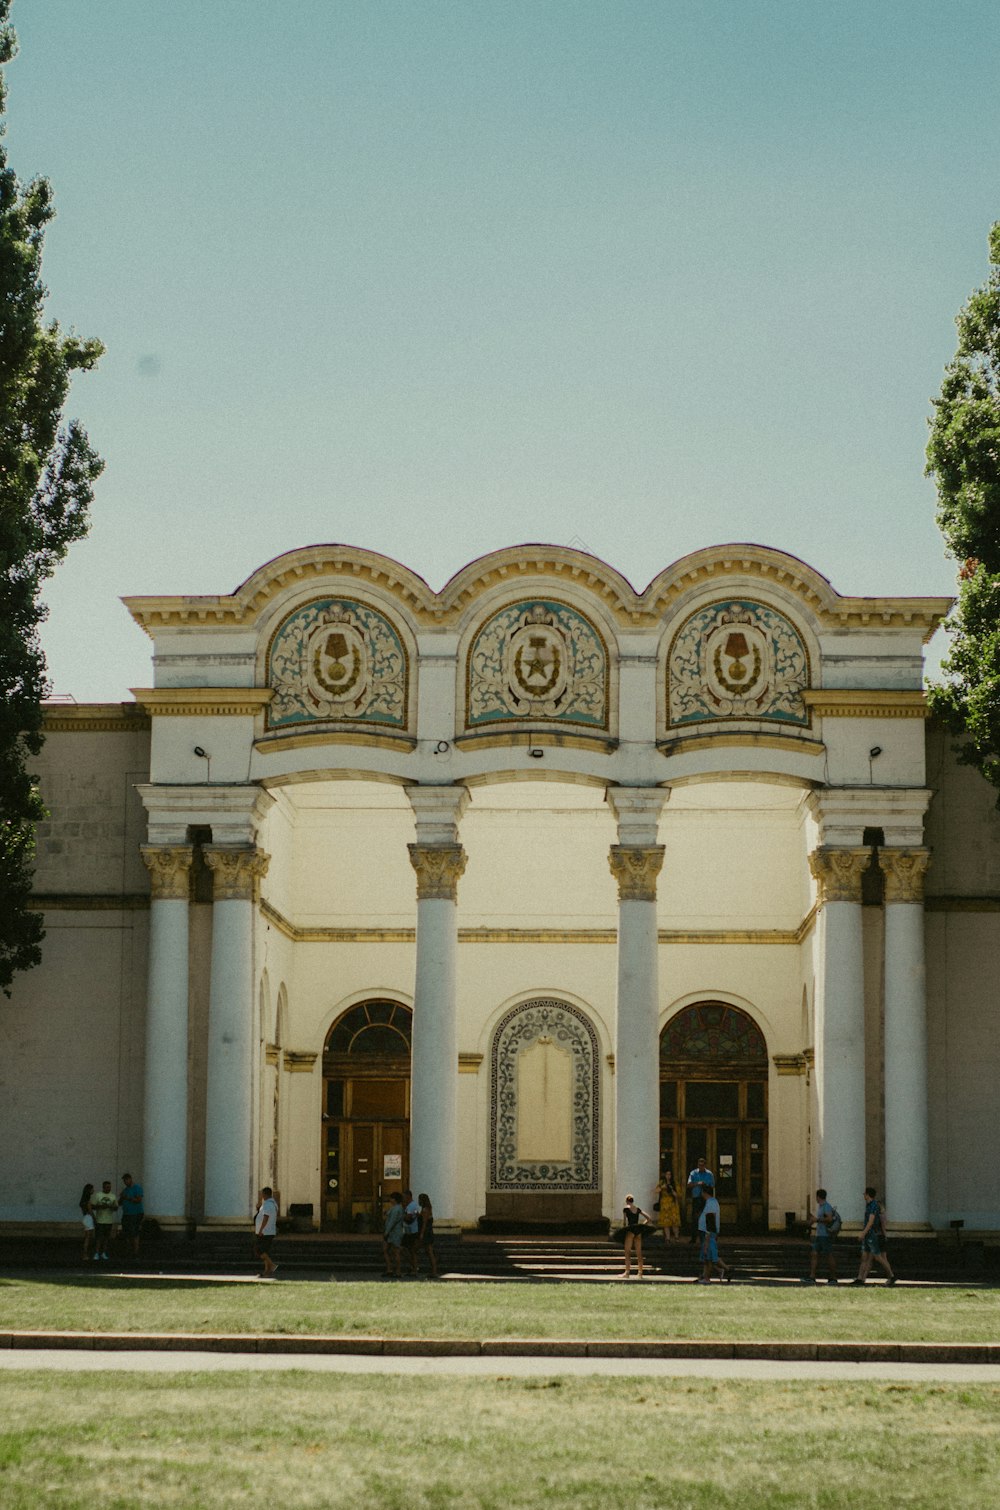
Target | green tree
(47,470)
(963,456)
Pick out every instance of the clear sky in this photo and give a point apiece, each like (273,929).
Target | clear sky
(439,276)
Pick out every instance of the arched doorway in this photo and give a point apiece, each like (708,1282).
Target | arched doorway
(366,1113)
(713,1105)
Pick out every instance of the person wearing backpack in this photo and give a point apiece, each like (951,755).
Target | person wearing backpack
(826,1220)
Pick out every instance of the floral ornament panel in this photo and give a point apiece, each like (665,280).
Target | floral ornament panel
(538,660)
(525,1035)
(334,660)
(737,659)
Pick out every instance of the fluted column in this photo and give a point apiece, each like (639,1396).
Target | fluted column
(230,1098)
(636,861)
(165,1103)
(906,1132)
(840,1028)
(439,860)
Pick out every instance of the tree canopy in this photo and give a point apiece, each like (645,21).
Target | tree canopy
(47,471)
(963,456)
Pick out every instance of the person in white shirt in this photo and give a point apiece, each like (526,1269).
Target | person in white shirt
(265,1226)
(708,1227)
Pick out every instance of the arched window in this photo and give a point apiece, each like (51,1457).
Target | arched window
(372,1028)
(713,1031)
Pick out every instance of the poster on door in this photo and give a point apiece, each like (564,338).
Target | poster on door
(392,1166)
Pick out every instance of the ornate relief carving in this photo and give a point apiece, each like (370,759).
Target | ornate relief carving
(337,661)
(545,1024)
(540,660)
(635,868)
(737,659)
(237,873)
(169,869)
(438,867)
(904,871)
(838,873)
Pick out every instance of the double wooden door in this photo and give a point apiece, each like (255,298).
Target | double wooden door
(366,1150)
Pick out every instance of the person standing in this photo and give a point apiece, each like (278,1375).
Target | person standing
(668,1206)
(392,1236)
(130,1200)
(104,1206)
(411,1229)
(87,1215)
(700,1184)
(873,1240)
(826,1222)
(265,1226)
(633,1217)
(425,1237)
(709,1223)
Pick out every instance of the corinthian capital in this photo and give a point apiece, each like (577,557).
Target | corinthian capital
(838,873)
(635,867)
(237,873)
(438,867)
(904,871)
(169,868)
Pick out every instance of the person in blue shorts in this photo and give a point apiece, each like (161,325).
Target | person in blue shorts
(873,1240)
(822,1220)
(709,1223)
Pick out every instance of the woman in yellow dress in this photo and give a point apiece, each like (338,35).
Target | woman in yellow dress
(669,1206)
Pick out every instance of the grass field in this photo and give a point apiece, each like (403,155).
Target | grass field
(108,1303)
(296,1440)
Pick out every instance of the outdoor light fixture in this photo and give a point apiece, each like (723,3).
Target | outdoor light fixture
(536,753)
(874,752)
(202,754)
(206,757)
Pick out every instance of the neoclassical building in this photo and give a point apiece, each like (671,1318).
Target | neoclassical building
(514,893)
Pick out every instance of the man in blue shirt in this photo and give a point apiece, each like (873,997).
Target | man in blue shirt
(130,1201)
(873,1240)
(700,1185)
(823,1219)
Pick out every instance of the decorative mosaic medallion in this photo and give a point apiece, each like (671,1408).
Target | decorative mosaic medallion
(336,660)
(737,659)
(544,1046)
(538,660)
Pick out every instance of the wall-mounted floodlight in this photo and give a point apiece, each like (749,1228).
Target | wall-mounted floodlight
(206,757)
(873,754)
(536,753)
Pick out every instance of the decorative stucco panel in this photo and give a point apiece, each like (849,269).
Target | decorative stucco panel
(737,659)
(336,660)
(538,660)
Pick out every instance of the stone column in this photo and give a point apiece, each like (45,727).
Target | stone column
(635,863)
(229,1114)
(906,1133)
(165,1105)
(439,860)
(840,1028)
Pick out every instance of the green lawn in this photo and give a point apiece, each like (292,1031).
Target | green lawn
(107,1303)
(296,1439)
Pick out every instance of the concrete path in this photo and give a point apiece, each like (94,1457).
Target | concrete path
(167,1363)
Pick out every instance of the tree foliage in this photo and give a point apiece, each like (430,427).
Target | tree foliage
(963,456)
(47,471)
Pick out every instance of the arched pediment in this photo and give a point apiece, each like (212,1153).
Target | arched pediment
(337,660)
(737,658)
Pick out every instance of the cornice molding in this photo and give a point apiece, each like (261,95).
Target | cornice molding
(858,702)
(534,564)
(94,718)
(300,1061)
(404,744)
(789,1064)
(68,901)
(201,702)
(687,744)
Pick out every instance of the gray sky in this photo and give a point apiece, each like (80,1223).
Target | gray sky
(439,276)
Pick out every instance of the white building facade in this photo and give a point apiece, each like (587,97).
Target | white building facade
(514,893)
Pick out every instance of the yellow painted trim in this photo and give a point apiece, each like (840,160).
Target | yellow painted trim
(762,778)
(300,1061)
(603,744)
(94,718)
(685,744)
(857,703)
(404,743)
(202,702)
(789,1064)
(468,1064)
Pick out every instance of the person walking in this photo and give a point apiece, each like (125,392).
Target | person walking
(824,1223)
(709,1224)
(425,1237)
(668,1206)
(700,1184)
(873,1240)
(265,1227)
(633,1216)
(87,1215)
(130,1200)
(392,1236)
(104,1206)
(411,1230)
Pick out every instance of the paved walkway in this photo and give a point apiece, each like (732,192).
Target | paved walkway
(167,1363)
